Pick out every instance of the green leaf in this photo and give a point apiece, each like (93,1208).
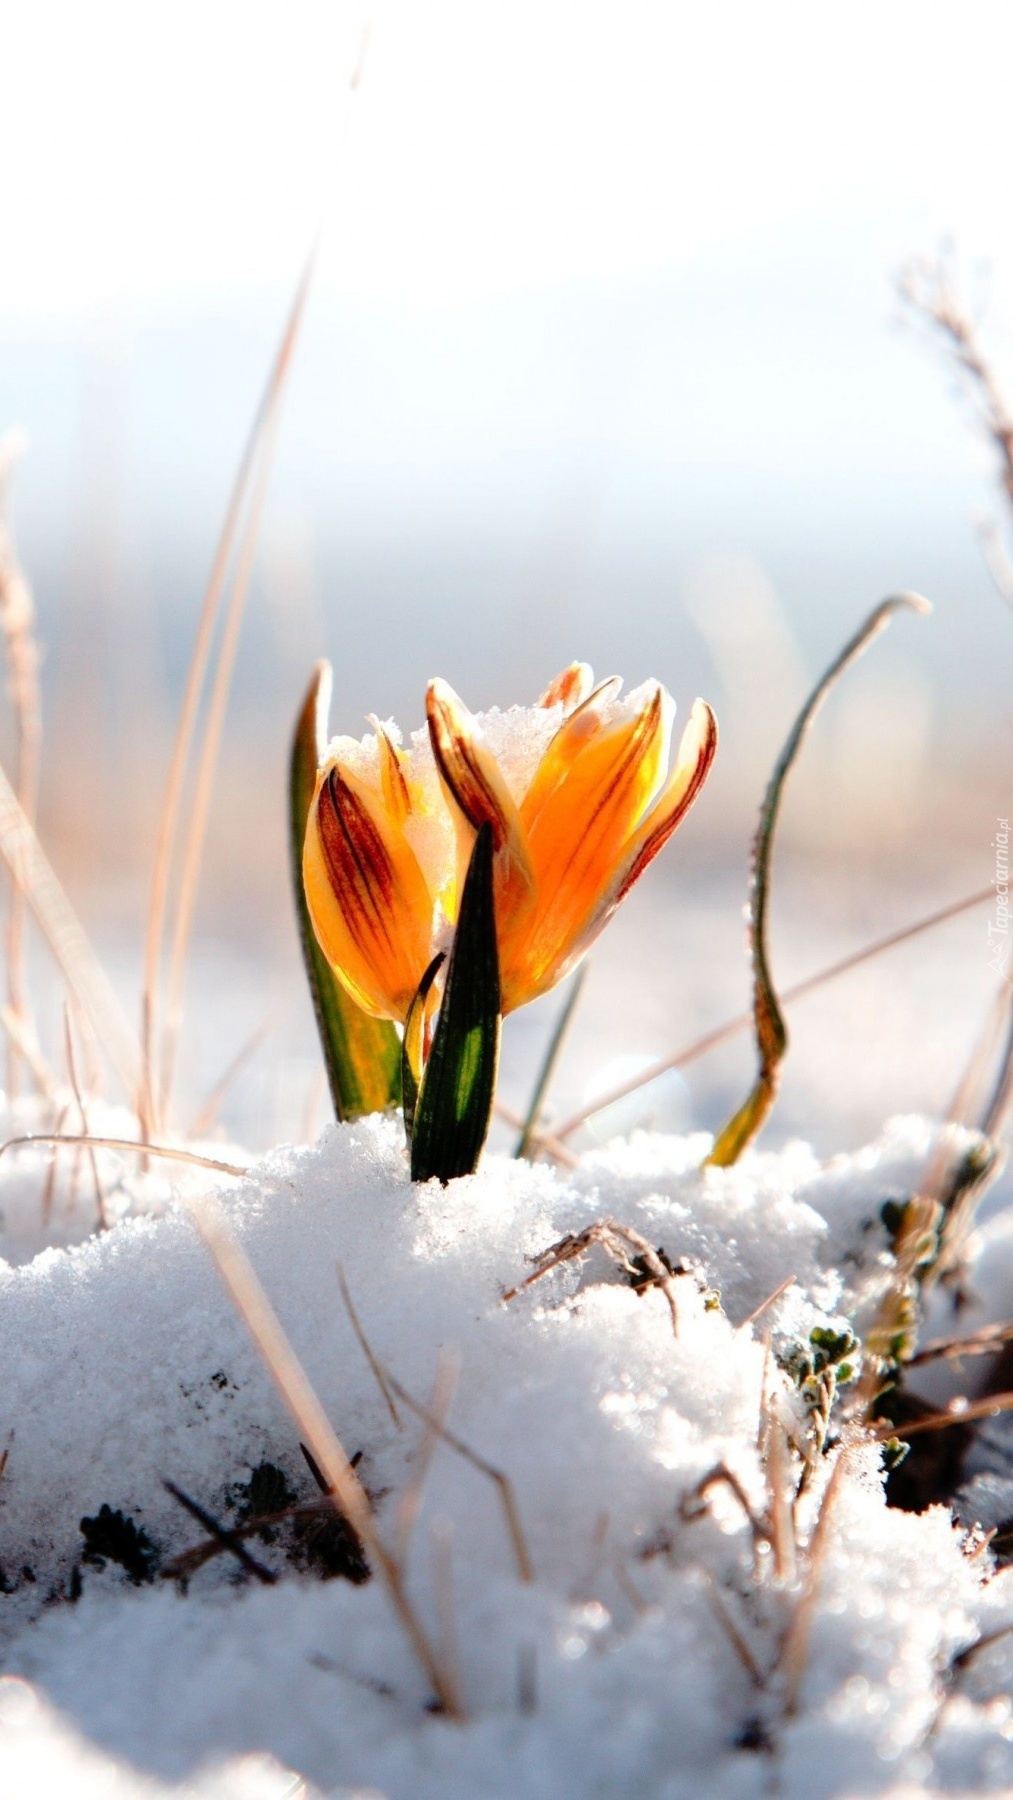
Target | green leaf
(455,1101)
(363,1055)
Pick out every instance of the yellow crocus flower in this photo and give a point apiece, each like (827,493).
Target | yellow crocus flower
(570,839)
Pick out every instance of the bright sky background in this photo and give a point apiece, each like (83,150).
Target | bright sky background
(152,150)
(604,304)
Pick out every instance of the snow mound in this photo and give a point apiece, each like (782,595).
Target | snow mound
(648,1654)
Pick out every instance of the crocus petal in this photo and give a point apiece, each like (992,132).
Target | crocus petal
(696,753)
(479,794)
(569,742)
(396,793)
(584,822)
(367,898)
(570,688)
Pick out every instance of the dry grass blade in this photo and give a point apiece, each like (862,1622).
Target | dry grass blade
(389,1383)
(795,1644)
(991,1338)
(367,1350)
(212,1105)
(139,1147)
(224,1539)
(959,1190)
(711,1040)
(435,1419)
(758,1311)
(316,1429)
(960,1412)
(549,1063)
(502,1482)
(261,431)
(80,967)
(254,472)
(930,290)
(997,1109)
(23,1036)
(734,1635)
(17,622)
(771,1031)
(75,1085)
(647,1267)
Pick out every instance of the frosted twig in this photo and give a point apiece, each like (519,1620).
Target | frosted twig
(617,1241)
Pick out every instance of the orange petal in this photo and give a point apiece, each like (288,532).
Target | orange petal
(692,764)
(568,743)
(366,895)
(475,783)
(585,819)
(396,795)
(570,688)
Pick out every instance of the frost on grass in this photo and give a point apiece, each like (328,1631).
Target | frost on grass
(647,1655)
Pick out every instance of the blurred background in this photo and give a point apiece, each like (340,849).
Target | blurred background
(603,358)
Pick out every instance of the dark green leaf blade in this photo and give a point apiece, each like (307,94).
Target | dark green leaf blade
(455,1100)
(362,1055)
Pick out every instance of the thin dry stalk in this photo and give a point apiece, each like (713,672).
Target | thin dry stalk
(781,1499)
(720,1034)
(795,1643)
(980,1343)
(447,1370)
(189,1561)
(80,967)
(223,1538)
(205,1119)
(501,1481)
(930,290)
(442,1537)
(138,1147)
(617,1241)
(734,1635)
(22,1034)
(958,1413)
(389,1383)
(758,1311)
(49,1186)
(694,1504)
(75,1086)
(17,622)
(256,455)
(367,1350)
(316,1429)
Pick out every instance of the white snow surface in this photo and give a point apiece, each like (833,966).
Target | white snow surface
(645,1656)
